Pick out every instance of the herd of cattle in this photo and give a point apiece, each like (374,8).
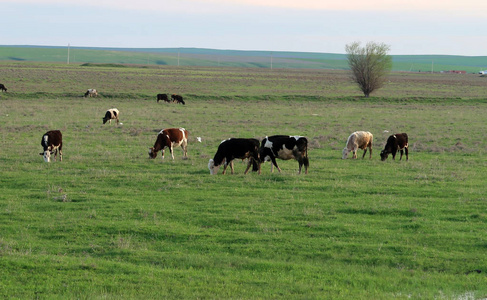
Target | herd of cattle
(271,147)
(93,93)
(284,147)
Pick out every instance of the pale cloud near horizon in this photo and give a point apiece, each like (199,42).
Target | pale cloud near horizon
(468,7)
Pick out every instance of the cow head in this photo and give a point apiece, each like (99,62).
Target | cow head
(47,155)
(383,155)
(105,120)
(213,169)
(152,153)
(345,153)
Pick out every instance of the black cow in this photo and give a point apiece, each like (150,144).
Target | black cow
(162,97)
(2,87)
(177,98)
(285,147)
(52,142)
(398,141)
(235,148)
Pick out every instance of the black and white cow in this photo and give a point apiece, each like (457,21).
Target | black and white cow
(177,98)
(52,142)
(233,148)
(91,93)
(162,97)
(285,147)
(2,87)
(170,137)
(398,141)
(111,114)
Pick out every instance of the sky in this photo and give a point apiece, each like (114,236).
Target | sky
(416,27)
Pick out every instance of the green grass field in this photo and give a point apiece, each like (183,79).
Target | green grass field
(109,223)
(231,58)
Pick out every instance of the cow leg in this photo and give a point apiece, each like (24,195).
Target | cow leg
(274,162)
(171,150)
(248,165)
(365,151)
(162,152)
(60,154)
(370,151)
(231,166)
(402,152)
(184,145)
(407,154)
(225,165)
(354,153)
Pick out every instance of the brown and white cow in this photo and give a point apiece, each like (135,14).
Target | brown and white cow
(232,148)
(2,87)
(91,93)
(52,142)
(358,140)
(111,114)
(177,98)
(398,141)
(170,137)
(285,147)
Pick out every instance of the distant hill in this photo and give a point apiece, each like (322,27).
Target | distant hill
(230,58)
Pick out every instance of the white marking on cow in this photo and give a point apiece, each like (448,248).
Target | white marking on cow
(268,144)
(296,137)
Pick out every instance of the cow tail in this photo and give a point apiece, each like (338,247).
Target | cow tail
(305,158)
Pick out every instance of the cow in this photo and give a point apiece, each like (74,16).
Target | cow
(285,147)
(232,148)
(162,97)
(398,141)
(91,93)
(170,137)
(358,140)
(2,87)
(111,114)
(52,142)
(177,98)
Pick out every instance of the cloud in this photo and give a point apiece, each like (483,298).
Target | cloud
(465,7)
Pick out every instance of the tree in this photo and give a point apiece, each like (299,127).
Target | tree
(369,65)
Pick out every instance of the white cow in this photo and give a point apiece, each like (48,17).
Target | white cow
(358,140)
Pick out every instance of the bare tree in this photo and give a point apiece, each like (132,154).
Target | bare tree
(369,65)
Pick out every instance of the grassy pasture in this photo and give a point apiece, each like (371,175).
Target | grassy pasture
(230,58)
(107,222)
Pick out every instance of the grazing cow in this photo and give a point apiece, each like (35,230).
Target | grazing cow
(91,93)
(233,148)
(52,142)
(162,97)
(111,114)
(171,137)
(285,147)
(177,98)
(2,87)
(398,141)
(358,140)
